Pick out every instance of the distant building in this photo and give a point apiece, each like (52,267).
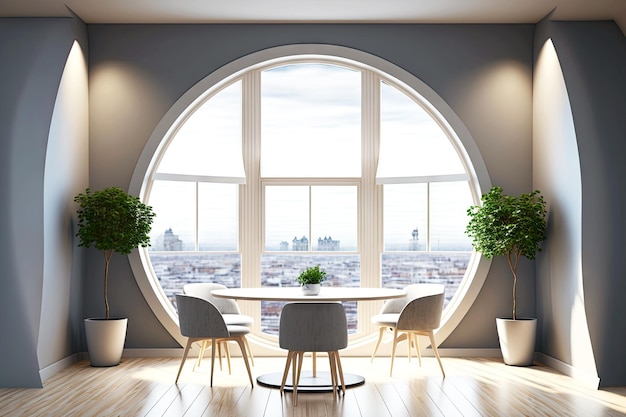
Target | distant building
(328,244)
(284,245)
(414,243)
(300,244)
(171,242)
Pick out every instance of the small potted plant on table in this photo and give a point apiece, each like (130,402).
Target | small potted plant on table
(311,280)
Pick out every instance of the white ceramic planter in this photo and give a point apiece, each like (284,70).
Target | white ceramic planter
(517,340)
(311,289)
(105,340)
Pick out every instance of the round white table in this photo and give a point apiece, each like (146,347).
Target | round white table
(309,381)
(294,294)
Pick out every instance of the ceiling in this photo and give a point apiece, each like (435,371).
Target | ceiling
(319,11)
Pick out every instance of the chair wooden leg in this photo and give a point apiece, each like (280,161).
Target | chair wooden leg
(242,345)
(417,347)
(245,339)
(182,362)
(434,346)
(381,332)
(213,343)
(227,352)
(289,359)
(296,379)
(333,371)
(393,350)
(202,349)
(341,378)
(314,358)
(219,353)
(340,369)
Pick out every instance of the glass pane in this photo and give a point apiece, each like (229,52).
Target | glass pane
(334,218)
(311,121)
(412,143)
(406,217)
(287,218)
(281,270)
(174,226)
(449,202)
(402,269)
(175,270)
(217,217)
(209,141)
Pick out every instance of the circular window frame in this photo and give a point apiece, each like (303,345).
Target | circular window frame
(479,180)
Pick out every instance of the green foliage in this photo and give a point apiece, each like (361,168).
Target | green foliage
(312,275)
(510,226)
(112,221)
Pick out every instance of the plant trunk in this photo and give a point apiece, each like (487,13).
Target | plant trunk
(513,266)
(107,260)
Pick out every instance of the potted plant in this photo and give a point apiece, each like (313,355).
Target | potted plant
(112,221)
(512,227)
(311,280)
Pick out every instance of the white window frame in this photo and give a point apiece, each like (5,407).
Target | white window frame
(309,182)
(370,239)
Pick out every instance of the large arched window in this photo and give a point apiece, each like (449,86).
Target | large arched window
(301,160)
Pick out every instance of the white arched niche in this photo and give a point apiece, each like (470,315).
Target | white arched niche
(462,140)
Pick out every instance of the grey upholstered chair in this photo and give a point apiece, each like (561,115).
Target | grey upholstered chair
(230,311)
(417,314)
(313,327)
(201,321)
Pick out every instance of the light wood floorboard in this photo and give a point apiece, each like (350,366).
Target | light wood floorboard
(472,387)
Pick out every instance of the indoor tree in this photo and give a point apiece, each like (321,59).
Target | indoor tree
(112,221)
(510,226)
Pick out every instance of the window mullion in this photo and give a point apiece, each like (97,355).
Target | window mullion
(197,244)
(250,225)
(250,194)
(369,237)
(370,213)
(428,225)
(310,219)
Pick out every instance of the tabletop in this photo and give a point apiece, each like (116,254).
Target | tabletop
(295,294)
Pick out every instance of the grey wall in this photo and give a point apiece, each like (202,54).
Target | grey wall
(65,175)
(593,60)
(33,54)
(559,266)
(137,72)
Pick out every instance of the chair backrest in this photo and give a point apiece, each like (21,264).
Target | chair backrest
(203,290)
(394,306)
(413,291)
(424,311)
(313,327)
(199,318)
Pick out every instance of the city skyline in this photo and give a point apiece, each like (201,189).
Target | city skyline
(169,241)
(173,270)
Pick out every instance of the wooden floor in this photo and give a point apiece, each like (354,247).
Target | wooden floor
(472,387)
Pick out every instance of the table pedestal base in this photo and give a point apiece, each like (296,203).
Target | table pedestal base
(320,383)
